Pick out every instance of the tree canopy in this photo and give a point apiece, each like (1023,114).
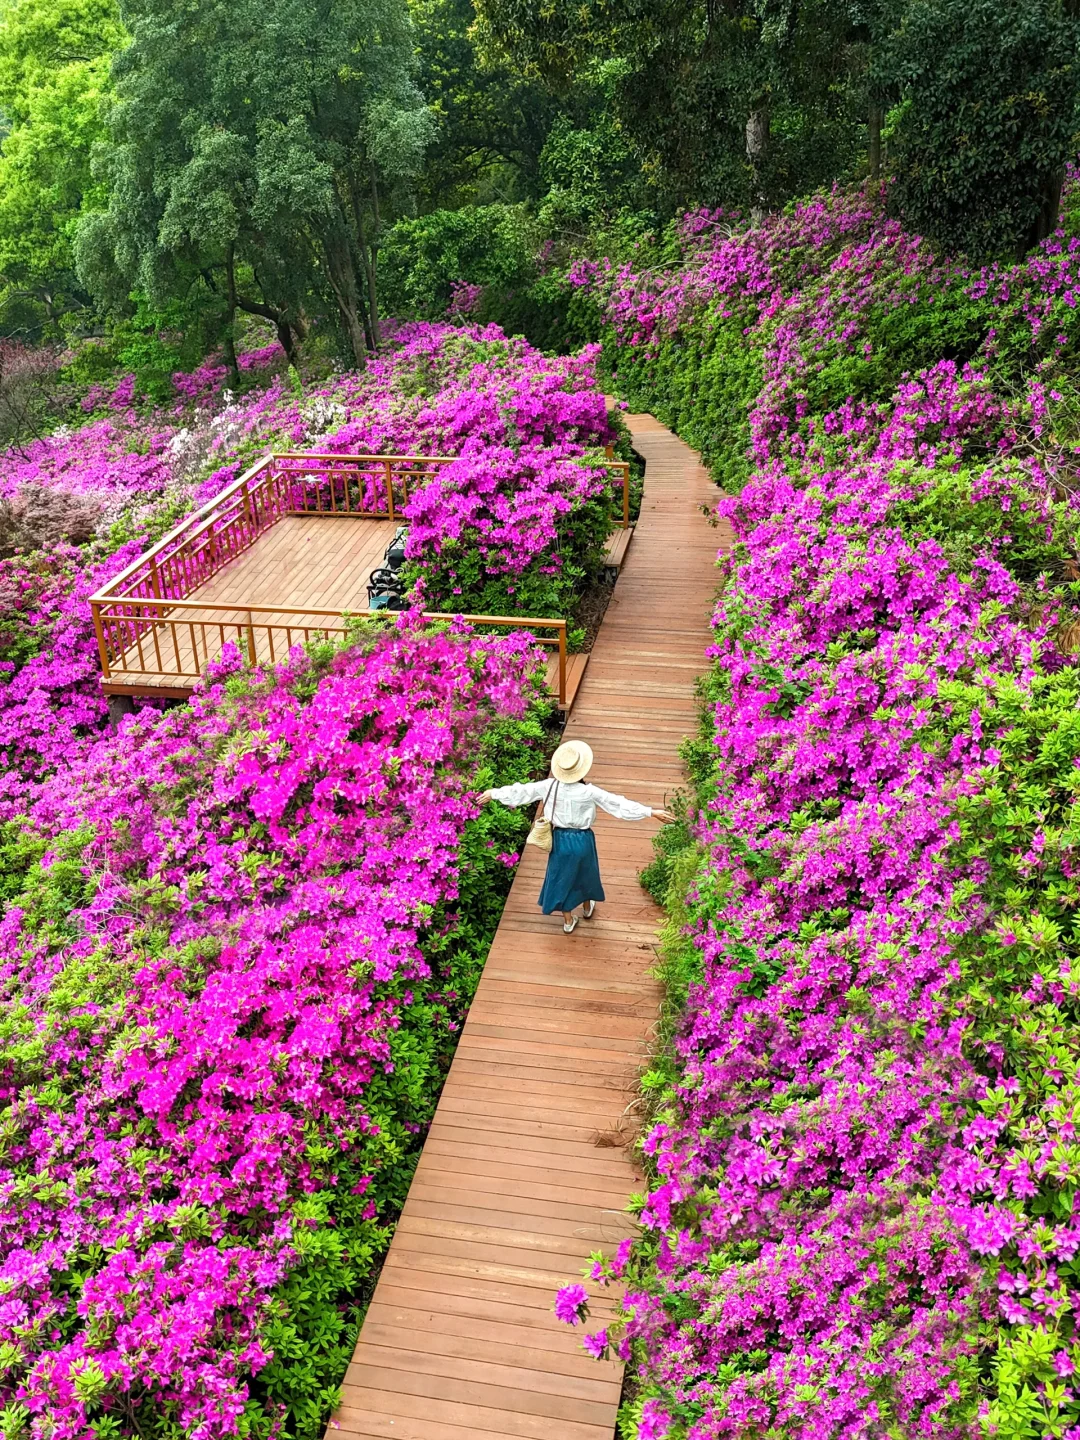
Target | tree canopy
(744,101)
(253,151)
(55,58)
(986,120)
(212,159)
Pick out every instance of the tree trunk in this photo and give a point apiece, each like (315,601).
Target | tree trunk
(287,336)
(289,330)
(757,149)
(372,258)
(228,342)
(342,275)
(876,120)
(1046,222)
(368,254)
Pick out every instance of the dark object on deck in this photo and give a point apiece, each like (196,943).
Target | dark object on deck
(395,551)
(385,590)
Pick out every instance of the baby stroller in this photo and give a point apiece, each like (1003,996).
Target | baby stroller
(385,590)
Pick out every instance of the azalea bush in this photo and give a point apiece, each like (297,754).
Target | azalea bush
(242,943)
(501,531)
(51,705)
(517,525)
(859,1214)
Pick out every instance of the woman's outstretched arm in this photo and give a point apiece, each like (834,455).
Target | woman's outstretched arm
(624,809)
(520,794)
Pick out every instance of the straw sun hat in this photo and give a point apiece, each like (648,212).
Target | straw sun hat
(571,761)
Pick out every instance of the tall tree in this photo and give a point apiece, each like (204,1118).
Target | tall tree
(256,150)
(54,78)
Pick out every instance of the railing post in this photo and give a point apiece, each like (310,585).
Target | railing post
(626,497)
(390,489)
(99,631)
(155,579)
(247,503)
(562,666)
(250,640)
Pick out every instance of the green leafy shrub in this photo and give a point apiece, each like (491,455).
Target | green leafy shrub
(985,123)
(425,259)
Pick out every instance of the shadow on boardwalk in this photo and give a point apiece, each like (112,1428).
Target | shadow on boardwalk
(512,1192)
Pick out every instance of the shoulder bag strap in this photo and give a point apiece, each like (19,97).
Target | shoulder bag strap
(550,814)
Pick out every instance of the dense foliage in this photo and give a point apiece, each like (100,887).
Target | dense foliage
(239,936)
(272,188)
(691,75)
(860,1211)
(982,146)
(232,977)
(155,185)
(54,72)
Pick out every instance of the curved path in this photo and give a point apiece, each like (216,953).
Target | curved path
(523,1173)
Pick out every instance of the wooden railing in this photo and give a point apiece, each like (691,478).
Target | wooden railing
(509,622)
(371,487)
(623,468)
(144,613)
(180,638)
(365,487)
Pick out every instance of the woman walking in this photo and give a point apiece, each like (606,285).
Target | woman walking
(573,871)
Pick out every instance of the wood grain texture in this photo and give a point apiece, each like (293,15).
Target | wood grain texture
(617,545)
(512,1191)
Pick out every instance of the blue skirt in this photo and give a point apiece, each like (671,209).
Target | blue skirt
(573,872)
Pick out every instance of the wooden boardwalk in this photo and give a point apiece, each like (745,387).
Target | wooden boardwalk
(513,1190)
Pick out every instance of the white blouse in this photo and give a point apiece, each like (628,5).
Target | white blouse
(575,805)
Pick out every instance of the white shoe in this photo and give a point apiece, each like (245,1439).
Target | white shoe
(569,929)
(588,912)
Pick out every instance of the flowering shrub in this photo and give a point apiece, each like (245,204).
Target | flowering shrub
(501,530)
(231,980)
(519,522)
(464,299)
(859,1216)
(527,513)
(40,518)
(207,383)
(51,705)
(239,937)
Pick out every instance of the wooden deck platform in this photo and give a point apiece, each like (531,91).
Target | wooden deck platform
(315,567)
(307,563)
(519,1179)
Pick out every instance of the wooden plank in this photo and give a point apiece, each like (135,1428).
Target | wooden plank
(513,1191)
(615,550)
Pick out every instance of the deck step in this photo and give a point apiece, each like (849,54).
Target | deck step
(617,546)
(575,672)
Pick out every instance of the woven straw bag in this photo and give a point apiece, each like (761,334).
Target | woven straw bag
(540,834)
